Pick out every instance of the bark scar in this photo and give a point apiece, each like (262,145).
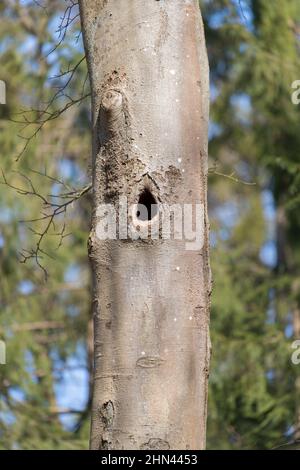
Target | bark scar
(155,444)
(149,362)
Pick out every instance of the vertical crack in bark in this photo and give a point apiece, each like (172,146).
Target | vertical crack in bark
(155,444)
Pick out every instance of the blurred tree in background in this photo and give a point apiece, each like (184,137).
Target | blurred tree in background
(254,399)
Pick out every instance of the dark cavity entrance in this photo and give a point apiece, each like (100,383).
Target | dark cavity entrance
(147,206)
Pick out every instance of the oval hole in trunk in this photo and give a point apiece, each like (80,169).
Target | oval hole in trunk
(147,207)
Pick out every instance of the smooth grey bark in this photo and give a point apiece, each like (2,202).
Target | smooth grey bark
(148,70)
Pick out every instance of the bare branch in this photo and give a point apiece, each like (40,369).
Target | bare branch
(50,212)
(40,122)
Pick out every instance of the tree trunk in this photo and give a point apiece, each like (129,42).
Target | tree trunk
(150,96)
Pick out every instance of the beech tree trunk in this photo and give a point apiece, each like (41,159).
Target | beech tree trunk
(148,71)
